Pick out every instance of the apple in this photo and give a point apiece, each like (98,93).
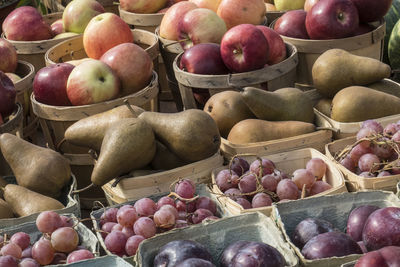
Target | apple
(13,77)
(363,28)
(164,10)
(372,10)
(270,7)
(210,4)
(200,25)
(78,13)
(244,48)
(173,16)
(308,4)
(332,19)
(26,24)
(77,62)
(132,65)
(104,32)
(173,2)
(283,5)
(143,6)
(276,45)
(235,12)
(65,34)
(93,81)
(8,55)
(201,96)
(1,119)
(7,95)
(50,84)
(57,27)
(385,257)
(292,24)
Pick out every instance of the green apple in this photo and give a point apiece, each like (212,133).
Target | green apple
(282,5)
(78,13)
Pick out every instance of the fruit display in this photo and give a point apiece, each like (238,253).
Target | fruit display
(386,256)
(77,15)
(7,96)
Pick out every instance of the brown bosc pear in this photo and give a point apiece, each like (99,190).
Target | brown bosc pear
(336,69)
(5,210)
(25,202)
(286,104)
(127,145)
(37,168)
(89,132)
(324,106)
(192,134)
(358,103)
(164,159)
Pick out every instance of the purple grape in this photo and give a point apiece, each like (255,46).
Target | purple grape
(240,166)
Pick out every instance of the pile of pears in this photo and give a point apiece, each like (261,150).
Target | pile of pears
(353,87)
(41,175)
(127,139)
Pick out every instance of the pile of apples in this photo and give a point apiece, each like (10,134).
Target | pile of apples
(58,245)
(242,182)
(124,228)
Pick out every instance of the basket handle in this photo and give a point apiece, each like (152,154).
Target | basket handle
(389,182)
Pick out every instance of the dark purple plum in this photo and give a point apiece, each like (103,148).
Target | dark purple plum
(230,252)
(385,257)
(258,254)
(195,262)
(308,228)
(240,166)
(357,219)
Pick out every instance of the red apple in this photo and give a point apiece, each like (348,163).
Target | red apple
(372,10)
(200,25)
(26,24)
(292,24)
(132,64)
(57,27)
(308,4)
(169,23)
(385,257)
(8,55)
(1,119)
(164,10)
(7,95)
(236,12)
(210,4)
(50,84)
(103,33)
(90,82)
(143,6)
(173,2)
(277,48)
(332,19)
(78,13)
(244,48)
(363,28)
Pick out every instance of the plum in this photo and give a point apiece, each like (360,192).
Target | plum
(308,228)
(195,262)
(357,219)
(230,252)
(177,251)
(331,244)
(385,257)
(240,166)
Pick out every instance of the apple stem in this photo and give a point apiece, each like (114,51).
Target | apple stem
(176,42)
(340,16)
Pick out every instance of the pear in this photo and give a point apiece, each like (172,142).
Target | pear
(127,145)
(37,168)
(3,183)
(89,132)
(336,69)
(164,159)
(254,130)
(358,103)
(386,86)
(5,210)
(25,202)
(192,134)
(324,106)
(286,104)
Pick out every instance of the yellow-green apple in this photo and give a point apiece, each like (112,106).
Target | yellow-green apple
(282,5)
(270,7)
(104,32)
(173,16)
(132,65)
(200,25)
(26,24)
(277,48)
(210,4)
(332,19)
(50,84)
(57,27)
(143,6)
(308,4)
(65,34)
(244,48)
(8,56)
(90,82)
(292,24)
(78,13)
(13,77)
(7,95)
(372,10)
(235,12)
(76,62)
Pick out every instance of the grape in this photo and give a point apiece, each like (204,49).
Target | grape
(66,221)
(2,243)
(366,175)
(233,193)
(23,240)
(127,217)
(117,227)
(358,151)
(8,261)
(27,253)
(115,242)
(128,231)
(200,214)
(145,227)
(79,255)
(287,189)
(348,163)
(206,203)
(164,218)
(181,223)
(261,200)
(374,125)
(64,239)
(185,188)
(59,258)
(43,252)
(248,183)
(48,221)
(225,180)
(132,244)
(12,250)
(268,167)
(383,151)
(391,129)
(244,203)
(396,137)
(383,173)
(107,227)
(269,182)
(28,263)
(367,162)
(319,187)
(363,133)
(165,201)
(171,209)
(279,175)
(240,166)
(303,177)
(317,167)
(110,215)
(145,207)
(188,207)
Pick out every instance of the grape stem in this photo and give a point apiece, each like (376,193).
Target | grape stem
(187,200)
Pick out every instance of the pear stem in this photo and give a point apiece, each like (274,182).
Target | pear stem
(60,144)
(83,189)
(176,42)
(118,179)
(93,154)
(126,102)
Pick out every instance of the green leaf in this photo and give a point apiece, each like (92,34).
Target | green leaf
(24,3)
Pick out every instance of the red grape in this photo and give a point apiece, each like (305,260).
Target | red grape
(366,175)
(165,201)
(48,221)
(181,224)
(240,166)
(107,227)
(43,252)
(182,215)
(225,180)
(115,242)
(244,203)
(261,200)
(79,255)
(368,162)
(185,188)
(145,207)
(348,163)
(268,167)
(27,262)
(303,177)
(27,253)
(200,214)
(204,202)
(110,215)
(383,151)
(188,207)
(269,182)
(364,133)
(248,183)
(374,125)
(128,231)
(127,217)
(117,227)
(66,221)
(287,189)
(145,227)
(391,129)
(383,173)
(233,193)
(319,187)
(23,240)
(12,250)
(8,261)
(171,209)
(59,258)
(317,167)
(358,151)
(132,244)
(164,218)
(64,239)
(396,137)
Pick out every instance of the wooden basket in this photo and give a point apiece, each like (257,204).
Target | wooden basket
(287,162)
(368,45)
(355,182)
(273,15)
(276,76)
(137,187)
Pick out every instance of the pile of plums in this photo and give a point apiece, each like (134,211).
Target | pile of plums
(245,184)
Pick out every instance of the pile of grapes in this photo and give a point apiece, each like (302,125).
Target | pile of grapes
(58,245)
(252,188)
(375,152)
(123,229)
